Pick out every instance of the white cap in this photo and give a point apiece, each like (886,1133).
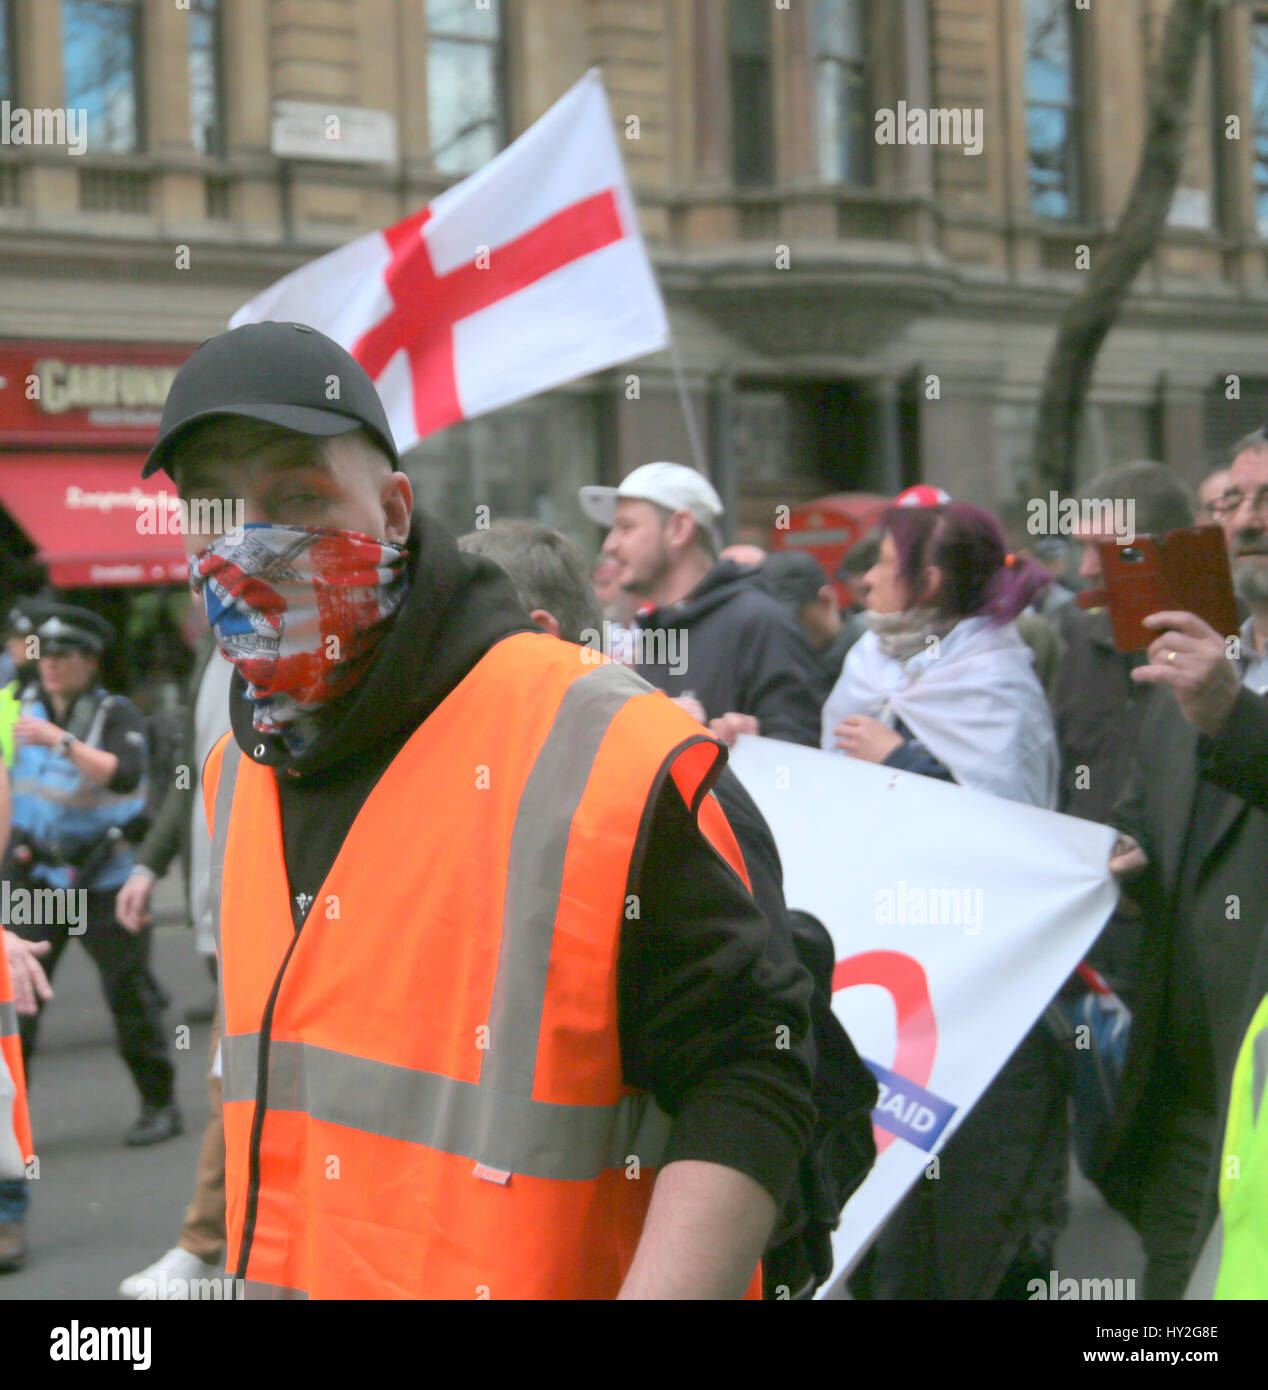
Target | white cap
(669,485)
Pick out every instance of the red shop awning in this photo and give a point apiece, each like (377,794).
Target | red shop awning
(83,513)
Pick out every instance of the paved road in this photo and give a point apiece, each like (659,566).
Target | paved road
(101,1211)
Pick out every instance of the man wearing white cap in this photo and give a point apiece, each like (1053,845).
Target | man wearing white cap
(705,630)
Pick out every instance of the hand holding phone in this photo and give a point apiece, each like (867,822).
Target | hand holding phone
(1184,571)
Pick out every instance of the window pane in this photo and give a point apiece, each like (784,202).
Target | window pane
(100,66)
(1051,127)
(6,55)
(1047,130)
(463,19)
(1048,57)
(845,124)
(1259,75)
(462,99)
(750,28)
(840,28)
(204,103)
(751,122)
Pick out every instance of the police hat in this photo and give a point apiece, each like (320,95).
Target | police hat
(26,615)
(70,629)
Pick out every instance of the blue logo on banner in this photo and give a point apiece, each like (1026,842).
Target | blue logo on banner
(908,1110)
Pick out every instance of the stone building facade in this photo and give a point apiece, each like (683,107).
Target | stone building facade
(866,216)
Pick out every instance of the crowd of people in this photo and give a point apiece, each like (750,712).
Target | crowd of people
(565,1086)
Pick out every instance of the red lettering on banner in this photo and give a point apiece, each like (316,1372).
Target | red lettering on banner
(907,984)
(426,306)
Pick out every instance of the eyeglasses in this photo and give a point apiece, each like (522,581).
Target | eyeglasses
(1230,501)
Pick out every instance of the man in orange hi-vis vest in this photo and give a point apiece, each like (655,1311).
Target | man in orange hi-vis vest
(20,987)
(501,1019)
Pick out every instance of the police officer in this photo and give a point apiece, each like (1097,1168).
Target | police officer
(17,666)
(78,794)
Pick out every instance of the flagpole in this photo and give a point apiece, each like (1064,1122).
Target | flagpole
(688,411)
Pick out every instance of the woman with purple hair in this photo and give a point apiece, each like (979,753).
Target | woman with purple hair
(941,683)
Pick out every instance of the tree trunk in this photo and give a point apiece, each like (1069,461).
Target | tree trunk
(1088,318)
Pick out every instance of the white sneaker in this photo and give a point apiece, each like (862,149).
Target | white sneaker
(170,1276)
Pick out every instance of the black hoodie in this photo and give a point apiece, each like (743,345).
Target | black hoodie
(701,993)
(743,654)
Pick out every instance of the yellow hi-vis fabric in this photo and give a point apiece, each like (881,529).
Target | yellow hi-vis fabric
(10,710)
(1243,1267)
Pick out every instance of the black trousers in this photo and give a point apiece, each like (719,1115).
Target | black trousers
(122,959)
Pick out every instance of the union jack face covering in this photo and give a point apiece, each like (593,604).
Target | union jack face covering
(299,611)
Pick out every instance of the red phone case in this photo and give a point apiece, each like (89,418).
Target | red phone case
(1184,571)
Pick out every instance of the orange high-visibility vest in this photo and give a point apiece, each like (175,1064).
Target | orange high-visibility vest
(16,1148)
(423,1094)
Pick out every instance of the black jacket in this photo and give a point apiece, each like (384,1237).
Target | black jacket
(1207,849)
(739,652)
(701,989)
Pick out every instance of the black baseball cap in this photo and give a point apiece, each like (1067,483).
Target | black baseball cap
(792,577)
(282,373)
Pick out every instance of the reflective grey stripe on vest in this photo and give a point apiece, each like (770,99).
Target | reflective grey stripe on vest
(512,1133)
(1207,1270)
(497,1122)
(229,762)
(1258,1072)
(8,1017)
(254,1288)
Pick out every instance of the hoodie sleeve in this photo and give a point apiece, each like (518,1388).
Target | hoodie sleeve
(780,679)
(714,1006)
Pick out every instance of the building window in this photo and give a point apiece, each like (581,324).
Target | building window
(845,125)
(465,83)
(1052,110)
(1259,104)
(205,131)
(8,89)
(101,66)
(752,120)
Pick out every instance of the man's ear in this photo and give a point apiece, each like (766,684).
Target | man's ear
(932,586)
(546,621)
(680,529)
(397,497)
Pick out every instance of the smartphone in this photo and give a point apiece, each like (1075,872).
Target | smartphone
(1184,571)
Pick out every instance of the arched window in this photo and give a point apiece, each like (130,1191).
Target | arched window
(8,65)
(1053,144)
(466,107)
(206,131)
(752,107)
(1259,110)
(101,68)
(845,126)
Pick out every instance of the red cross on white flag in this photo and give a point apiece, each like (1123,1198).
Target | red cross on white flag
(530,273)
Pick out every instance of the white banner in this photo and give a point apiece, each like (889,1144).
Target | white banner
(955,915)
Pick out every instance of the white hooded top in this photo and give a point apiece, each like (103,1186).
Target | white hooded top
(972,699)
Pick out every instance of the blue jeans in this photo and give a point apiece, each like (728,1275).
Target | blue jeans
(14,1195)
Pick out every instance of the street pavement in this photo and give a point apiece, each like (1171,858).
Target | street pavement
(101,1211)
